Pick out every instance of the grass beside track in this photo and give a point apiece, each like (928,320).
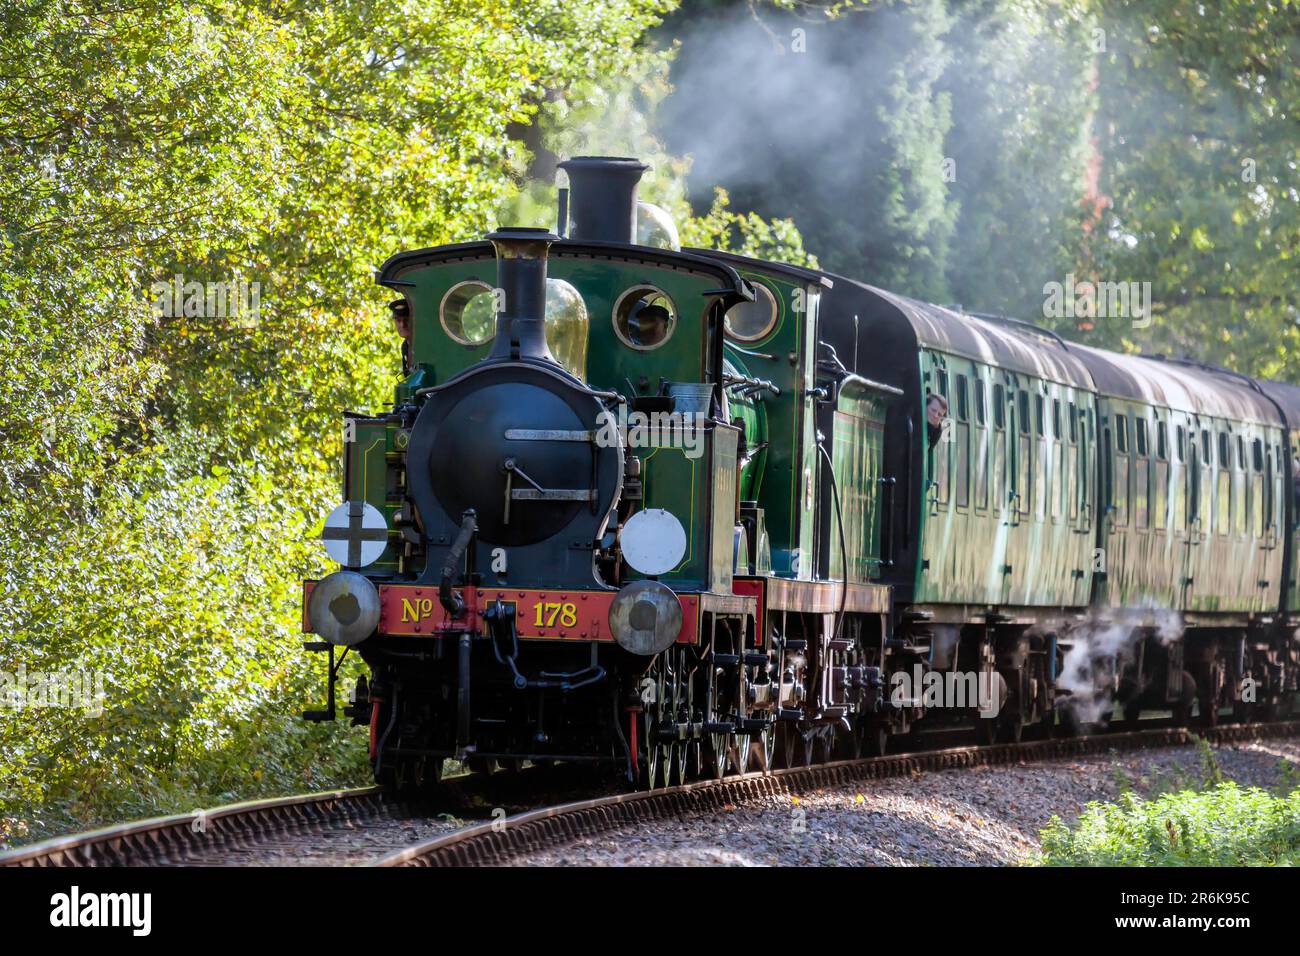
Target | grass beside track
(1213,822)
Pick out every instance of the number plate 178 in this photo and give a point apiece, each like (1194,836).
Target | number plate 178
(555,614)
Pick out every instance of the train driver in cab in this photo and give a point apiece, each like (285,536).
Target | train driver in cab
(401,310)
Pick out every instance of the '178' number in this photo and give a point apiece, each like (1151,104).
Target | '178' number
(548,612)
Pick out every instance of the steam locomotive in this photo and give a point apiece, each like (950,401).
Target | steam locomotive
(684,513)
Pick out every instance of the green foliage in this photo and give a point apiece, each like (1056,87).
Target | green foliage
(162,477)
(749,234)
(1197,131)
(1225,825)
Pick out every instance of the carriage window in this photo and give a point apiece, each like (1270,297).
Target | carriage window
(1195,512)
(979,401)
(1121,434)
(1279,468)
(980,453)
(963,410)
(1268,487)
(1205,483)
(1038,414)
(1056,418)
(963,454)
(1141,477)
(1022,403)
(1258,490)
(1074,423)
(1181,444)
(1223,489)
(1059,484)
(1239,490)
(751,321)
(1162,442)
(644,318)
(999,475)
(1079,457)
(1119,497)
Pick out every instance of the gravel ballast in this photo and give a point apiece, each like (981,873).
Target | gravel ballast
(987,816)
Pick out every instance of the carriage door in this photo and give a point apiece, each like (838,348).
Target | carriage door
(1082,484)
(1194,518)
(1011,492)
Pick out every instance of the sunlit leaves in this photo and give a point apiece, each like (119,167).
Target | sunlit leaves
(160,476)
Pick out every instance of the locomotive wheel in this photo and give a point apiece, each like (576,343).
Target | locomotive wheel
(1132,711)
(1182,709)
(765,748)
(676,775)
(783,745)
(411,777)
(1207,696)
(847,745)
(655,702)
(678,712)
(824,744)
(654,769)
(713,757)
(805,747)
(874,737)
(1067,724)
(739,753)
(1010,728)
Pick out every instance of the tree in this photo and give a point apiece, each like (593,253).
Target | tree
(163,474)
(1197,133)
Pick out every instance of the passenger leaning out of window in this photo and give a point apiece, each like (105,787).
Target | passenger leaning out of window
(936,412)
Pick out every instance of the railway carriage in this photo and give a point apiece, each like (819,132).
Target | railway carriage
(681,513)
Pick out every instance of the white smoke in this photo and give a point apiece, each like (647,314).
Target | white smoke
(1101,647)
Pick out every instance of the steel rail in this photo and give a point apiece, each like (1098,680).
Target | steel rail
(125,843)
(498,841)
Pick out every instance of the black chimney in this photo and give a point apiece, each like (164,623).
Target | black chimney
(602,197)
(521,277)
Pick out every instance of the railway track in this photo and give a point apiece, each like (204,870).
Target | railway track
(333,828)
(466,826)
(499,841)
